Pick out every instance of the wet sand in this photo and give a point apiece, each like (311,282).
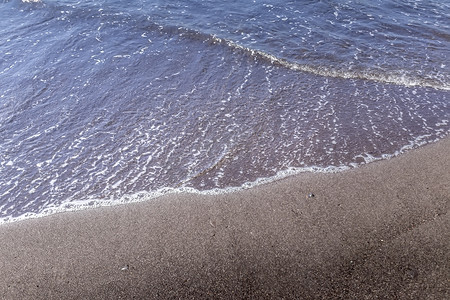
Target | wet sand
(381,231)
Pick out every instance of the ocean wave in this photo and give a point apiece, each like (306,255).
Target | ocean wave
(397,78)
(150,23)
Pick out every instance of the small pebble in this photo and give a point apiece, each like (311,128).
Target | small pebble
(124,268)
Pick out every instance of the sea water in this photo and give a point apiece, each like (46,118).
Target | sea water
(112,101)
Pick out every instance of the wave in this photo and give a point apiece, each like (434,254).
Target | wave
(384,77)
(399,77)
(144,22)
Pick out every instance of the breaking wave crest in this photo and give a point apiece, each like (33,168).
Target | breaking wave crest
(397,78)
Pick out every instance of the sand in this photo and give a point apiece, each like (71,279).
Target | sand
(381,231)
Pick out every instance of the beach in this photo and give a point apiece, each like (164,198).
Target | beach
(381,231)
(224,150)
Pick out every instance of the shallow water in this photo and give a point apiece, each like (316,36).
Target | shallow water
(103,100)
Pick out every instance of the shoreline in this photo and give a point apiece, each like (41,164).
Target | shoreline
(165,191)
(379,230)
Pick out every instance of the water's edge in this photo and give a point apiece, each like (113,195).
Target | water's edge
(142,196)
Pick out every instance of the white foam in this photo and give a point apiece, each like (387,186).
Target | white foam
(149,195)
(75,205)
(442,123)
(385,77)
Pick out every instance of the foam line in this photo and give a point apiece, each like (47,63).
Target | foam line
(403,80)
(89,203)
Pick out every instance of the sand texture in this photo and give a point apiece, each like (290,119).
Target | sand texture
(381,231)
